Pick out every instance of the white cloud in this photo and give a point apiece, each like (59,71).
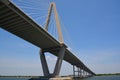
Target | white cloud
(51,58)
(101,61)
(106,68)
(97,61)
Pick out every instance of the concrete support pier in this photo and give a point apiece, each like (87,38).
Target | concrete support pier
(80,73)
(44,63)
(61,52)
(58,78)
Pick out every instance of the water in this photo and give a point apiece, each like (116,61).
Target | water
(103,78)
(91,78)
(13,78)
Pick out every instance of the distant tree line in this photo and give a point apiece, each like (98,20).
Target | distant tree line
(18,76)
(109,74)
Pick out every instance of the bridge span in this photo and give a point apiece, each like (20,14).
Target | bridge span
(13,20)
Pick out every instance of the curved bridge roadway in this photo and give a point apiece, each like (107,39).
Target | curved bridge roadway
(18,23)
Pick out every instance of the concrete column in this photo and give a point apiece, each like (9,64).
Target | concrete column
(59,61)
(78,72)
(83,73)
(44,63)
(73,71)
(48,17)
(86,74)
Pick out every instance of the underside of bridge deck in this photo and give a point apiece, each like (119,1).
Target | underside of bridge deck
(13,20)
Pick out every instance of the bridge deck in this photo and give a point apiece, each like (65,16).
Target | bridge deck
(16,22)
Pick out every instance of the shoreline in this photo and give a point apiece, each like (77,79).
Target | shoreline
(109,74)
(20,76)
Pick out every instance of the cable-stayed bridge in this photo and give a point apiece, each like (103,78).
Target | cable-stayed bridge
(15,21)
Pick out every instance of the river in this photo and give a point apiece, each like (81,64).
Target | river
(90,78)
(103,78)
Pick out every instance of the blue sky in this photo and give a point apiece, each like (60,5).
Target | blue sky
(93,29)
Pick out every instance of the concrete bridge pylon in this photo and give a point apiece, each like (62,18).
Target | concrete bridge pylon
(61,50)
